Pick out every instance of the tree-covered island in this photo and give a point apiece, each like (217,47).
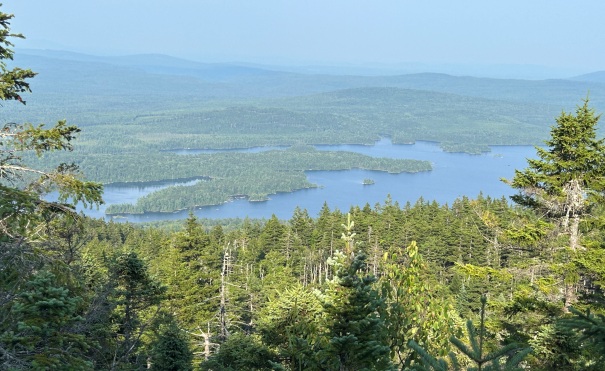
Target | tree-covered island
(481,284)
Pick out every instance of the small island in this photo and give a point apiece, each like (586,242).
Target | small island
(368,181)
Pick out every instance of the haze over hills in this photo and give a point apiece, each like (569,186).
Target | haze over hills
(501,71)
(309,196)
(67,70)
(133,109)
(598,77)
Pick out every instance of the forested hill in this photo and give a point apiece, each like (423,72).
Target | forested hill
(383,287)
(232,80)
(132,109)
(598,77)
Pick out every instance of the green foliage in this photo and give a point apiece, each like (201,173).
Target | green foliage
(12,82)
(356,336)
(191,270)
(591,331)
(40,299)
(415,309)
(568,179)
(555,348)
(507,357)
(44,336)
(21,208)
(18,139)
(291,323)
(170,351)
(135,297)
(241,352)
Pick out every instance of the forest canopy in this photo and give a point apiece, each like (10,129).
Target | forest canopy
(478,284)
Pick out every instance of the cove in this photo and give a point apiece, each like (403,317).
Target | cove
(454,175)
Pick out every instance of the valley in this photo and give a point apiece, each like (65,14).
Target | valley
(254,132)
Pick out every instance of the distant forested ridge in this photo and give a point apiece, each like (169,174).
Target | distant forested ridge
(381,287)
(133,109)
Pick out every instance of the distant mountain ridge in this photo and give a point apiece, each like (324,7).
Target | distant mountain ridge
(140,73)
(156,63)
(598,76)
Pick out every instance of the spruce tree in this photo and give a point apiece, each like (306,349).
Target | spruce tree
(193,274)
(135,297)
(356,335)
(170,351)
(44,335)
(568,178)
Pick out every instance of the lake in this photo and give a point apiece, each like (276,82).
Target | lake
(454,175)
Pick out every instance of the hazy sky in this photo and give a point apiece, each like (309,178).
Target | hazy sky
(555,33)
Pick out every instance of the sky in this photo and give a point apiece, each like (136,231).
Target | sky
(559,34)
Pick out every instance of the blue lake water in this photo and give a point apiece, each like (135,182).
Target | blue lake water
(454,175)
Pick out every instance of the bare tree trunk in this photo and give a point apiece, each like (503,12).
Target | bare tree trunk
(574,233)
(570,296)
(574,206)
(206,336)
(224,332)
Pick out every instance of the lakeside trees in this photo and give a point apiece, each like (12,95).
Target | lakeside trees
(130,126)
(278,274)
(84,294)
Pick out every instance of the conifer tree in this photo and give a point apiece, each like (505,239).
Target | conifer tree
(194,274)
(171,352)
(135,292)
(356,335)
(302,225)
(22,208)
(568,178)
(289,322)
(506,358)
(24,218)
(241,352)
(44,336)
(591,331)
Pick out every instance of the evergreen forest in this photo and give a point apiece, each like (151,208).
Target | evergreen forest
(134,112)
(481,284)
